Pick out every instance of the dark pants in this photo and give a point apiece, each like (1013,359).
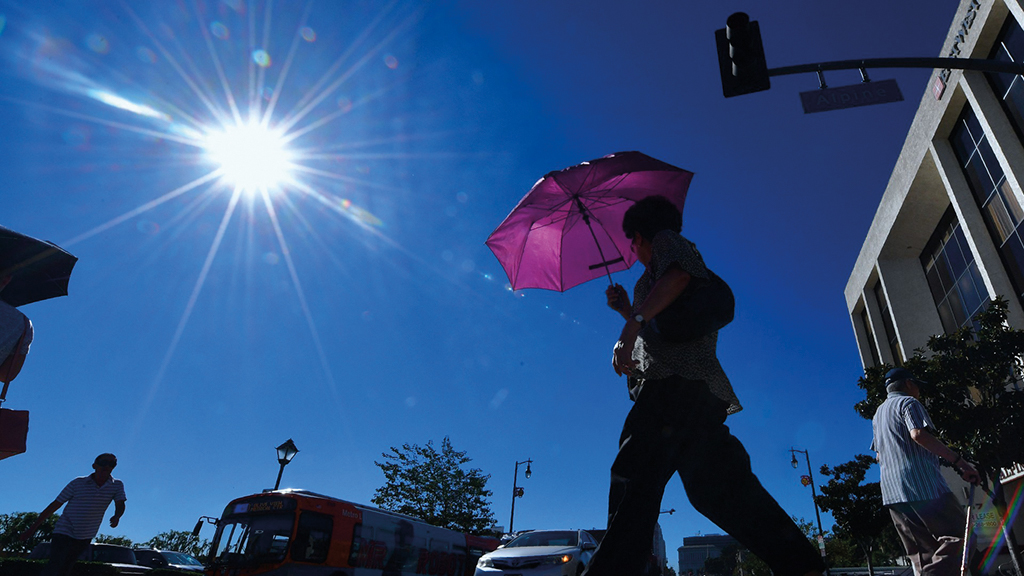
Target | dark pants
(932,531)
(678,426)
(64,552)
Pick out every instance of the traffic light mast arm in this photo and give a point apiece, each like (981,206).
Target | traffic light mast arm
(937,63)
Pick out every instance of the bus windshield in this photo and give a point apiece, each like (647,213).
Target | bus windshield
(253,539)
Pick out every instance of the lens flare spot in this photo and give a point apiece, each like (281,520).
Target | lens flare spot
(357,214)
(236,5)
(391,62)
(251,156)
(97,44)
(345,105)
(220,30)
(499,398)
(308,34)
(261,58)
(76,137)
(147,227)
(268,93)
(145,55)
(271,258)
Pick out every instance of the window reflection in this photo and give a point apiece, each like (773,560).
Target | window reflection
(953,276)
(996,199)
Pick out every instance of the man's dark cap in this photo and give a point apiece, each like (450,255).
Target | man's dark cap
(897,374)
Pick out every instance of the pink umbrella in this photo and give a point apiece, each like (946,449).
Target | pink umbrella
(568,227)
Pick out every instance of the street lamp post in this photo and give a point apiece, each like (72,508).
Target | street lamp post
(285,453)
(814,498)
(517,492)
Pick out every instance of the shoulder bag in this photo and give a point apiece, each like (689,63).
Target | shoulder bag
(705,306)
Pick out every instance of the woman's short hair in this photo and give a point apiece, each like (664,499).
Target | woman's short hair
(652,215)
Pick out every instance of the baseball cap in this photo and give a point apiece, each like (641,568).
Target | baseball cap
(897,374)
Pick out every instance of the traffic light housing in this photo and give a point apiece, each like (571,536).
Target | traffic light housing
(741,57)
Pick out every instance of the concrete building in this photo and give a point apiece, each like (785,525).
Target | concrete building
(947,236)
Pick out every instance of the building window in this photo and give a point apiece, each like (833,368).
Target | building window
(1009,47)
(870,335)
(887,325)
(999,206)
(953,276)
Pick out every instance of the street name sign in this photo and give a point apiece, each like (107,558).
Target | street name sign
(862,94)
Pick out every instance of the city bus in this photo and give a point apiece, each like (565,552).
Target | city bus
(296,532)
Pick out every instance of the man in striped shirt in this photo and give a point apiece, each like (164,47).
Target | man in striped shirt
(88,498)
(927,516)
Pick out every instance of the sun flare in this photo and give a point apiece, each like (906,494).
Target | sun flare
(252,157)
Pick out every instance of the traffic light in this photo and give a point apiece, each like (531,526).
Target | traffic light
(741,57)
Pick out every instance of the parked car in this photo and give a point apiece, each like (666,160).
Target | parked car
(540,553)
(120,557)
(155,558)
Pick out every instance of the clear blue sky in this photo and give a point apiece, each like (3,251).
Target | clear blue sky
(387,320)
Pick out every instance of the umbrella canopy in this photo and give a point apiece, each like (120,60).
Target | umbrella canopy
(568,227)
(38,269)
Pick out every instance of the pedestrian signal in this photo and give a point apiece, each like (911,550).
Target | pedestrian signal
(741,57)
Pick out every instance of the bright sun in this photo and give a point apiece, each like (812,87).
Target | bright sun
(252,157)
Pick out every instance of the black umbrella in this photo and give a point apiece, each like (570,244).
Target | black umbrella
(38,269)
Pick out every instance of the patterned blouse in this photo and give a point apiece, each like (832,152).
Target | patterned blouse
(657,358)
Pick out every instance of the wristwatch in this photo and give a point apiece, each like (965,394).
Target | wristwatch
(640,318)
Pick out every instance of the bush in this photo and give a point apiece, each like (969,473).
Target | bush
(25,567)
(20,567)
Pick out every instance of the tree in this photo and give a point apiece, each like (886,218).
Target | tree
(433,486)
(973,393)
(180,541)
(856,507)
(108,539)
(749,564)
(12,525)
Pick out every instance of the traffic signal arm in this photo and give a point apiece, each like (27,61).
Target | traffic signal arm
(937,63)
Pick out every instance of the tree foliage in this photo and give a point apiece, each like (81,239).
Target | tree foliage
(118,540)
(180,541)
(423,482)
(972,395)
(12,525)
(857,509)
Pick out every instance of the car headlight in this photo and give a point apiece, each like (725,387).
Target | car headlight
(557,560)
(485,562)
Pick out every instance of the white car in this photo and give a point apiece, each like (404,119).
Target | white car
(540,553)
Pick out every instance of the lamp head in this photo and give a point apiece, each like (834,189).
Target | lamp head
(794,462)
(528,472)
(286,451)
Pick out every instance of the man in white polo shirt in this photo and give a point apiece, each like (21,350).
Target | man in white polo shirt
(88,498)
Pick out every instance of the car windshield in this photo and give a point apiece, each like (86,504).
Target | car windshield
(553,538)
(181,559)
(249,539)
